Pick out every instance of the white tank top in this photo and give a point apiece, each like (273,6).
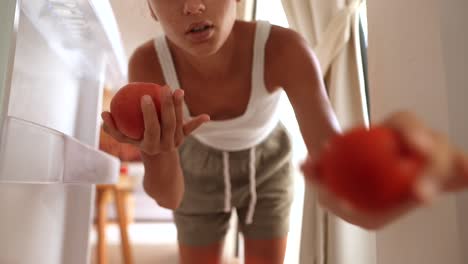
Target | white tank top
(260,117)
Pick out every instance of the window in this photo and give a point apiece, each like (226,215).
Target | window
(271,10)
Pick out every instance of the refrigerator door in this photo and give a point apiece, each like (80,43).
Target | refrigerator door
(418,61)
(55,58)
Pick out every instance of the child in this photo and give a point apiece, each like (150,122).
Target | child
(219,145)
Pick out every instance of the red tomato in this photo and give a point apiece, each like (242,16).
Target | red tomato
(126,107)
(371,169)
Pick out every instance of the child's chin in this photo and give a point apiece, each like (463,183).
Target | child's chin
(202,52)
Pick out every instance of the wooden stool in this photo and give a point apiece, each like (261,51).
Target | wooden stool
(104,195)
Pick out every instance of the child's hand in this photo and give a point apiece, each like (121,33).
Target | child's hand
(108,144)
(445,169)
(446,166)
(164,136)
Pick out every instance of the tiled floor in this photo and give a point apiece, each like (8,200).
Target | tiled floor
(143,254)
(151,243)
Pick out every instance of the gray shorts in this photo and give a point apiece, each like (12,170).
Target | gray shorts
(204,214)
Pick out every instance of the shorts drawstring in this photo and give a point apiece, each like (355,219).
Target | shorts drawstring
(252,185)
(227,183)
(253,189)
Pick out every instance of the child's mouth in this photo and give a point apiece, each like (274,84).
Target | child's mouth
(200,32)
(200,29)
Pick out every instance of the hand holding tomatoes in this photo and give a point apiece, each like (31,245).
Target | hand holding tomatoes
(370,177)
(370,169)
(126,110)
(150,117)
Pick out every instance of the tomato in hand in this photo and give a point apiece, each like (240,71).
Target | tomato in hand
(126,111)
(369,168)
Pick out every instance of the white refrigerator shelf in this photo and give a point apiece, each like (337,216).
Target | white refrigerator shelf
(31,153)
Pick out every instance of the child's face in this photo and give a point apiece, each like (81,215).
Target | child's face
(200,27)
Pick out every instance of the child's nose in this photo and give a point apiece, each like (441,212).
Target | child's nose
(194,7)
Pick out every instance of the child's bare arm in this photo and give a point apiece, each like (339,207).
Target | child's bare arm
(303,84)
(296,69)
(163,179)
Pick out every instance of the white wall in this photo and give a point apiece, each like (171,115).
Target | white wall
(418,60)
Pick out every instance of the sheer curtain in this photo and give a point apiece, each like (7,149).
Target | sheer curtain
(332,29)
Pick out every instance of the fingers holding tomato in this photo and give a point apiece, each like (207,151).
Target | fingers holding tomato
(388,166)
(368,168)
(150,117)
